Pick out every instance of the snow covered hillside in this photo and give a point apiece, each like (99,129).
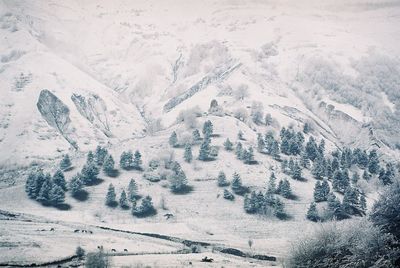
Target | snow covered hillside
(125,75)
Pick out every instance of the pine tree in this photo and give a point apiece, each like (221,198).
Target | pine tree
(196,135)
(248,205)
(311,149)
(221,180)
(239,150)
(350,200)
(318,193)
(59,179)
(137,161)
(306,128)
(284,167)
(268,119)
(89,173)
(312,213)
(44,193)
(296,174)
(228,195)
(248,156)
(260,143)
(132,190)
(207,129)
(285,189)
(126,160)
(108,165)
(30,185)
(325,189)
(334,206)
(146,208)
(204,152)
(173,139)
(178,182)
(240,135)
(123,201)
(305,162)
(90,157)
(228,145)
(340,181)
(373,162)
(236,184)
(318,170)
(271,188)
(101,154)
(188,156)
(76,185)
(110,197)
(65,162)
(285,146)
(279,209)
(56,195)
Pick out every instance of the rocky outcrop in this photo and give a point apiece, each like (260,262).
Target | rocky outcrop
(56,114)
(94,109)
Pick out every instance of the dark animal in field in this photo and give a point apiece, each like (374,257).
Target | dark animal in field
(113,250)
(100,247)
(76,231)
(168,216)
(90,232)
(206,259)
(125,250)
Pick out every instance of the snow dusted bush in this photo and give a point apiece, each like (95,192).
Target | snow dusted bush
(189,116)
(241,114)
(241,92)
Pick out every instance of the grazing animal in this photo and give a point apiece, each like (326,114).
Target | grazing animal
(168,216)
(100,247)
(125,250)
(113,250)
(76,231)
(90,232)
(52,229)
(206,259)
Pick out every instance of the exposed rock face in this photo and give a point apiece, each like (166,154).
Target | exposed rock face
(56,114)
(94,109)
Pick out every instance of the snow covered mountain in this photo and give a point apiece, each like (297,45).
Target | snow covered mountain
(125,74)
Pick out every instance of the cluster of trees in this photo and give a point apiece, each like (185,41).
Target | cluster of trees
(283,188)
(129,161)
(46,189)
(178,182)
(292,168)
(265,204)
(246,155)
(207,152)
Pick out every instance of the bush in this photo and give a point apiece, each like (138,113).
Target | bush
(97,260)
(359,244)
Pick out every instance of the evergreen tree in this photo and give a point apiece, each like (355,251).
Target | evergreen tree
(59,179)
(311,149)
(65,162)
(285,146)
(335,164)
(204,153)
(325,189)
(284,167)
(146,208)
(108,166)
(44,193)
(321,147)
(132,190)
(319,169)
(268,119)
(248,156)
(386,177)
(318,192)
(285,189)
(350,200)
(340,181)
(236,184)
(240,135)
(89,173)
(305,162)
(248,204)
(196,135)
(56,195)
(312,213)
(101,154)
(90,157)
(221,180)
(110,197)
(188,156)
(76,185)
(228,145)
(178,182)
(239,150)
(334,207)
(30,185)
(271,188)
(373,162)
(123,201)
(306,128)
(296,174)
(260,143)
(228,195)
(207,129)
(40,179)
(137,161)
(126,160)
(173,139)
(279,209)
